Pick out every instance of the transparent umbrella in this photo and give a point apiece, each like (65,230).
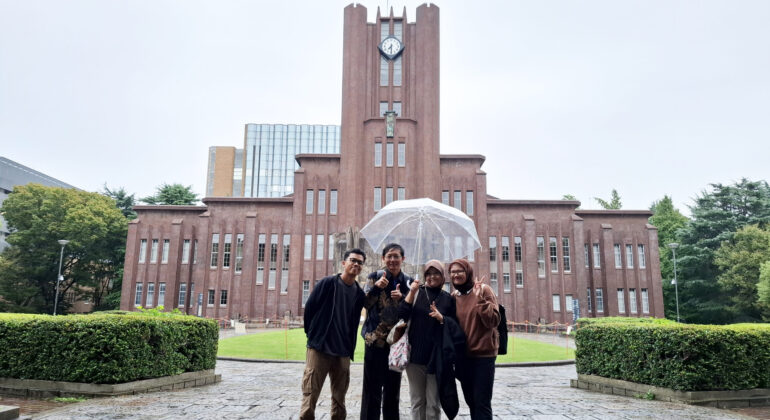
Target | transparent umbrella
(426,229)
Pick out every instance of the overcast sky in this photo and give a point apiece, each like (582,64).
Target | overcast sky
(570,97)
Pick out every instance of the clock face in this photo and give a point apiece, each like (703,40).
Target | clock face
(391,47)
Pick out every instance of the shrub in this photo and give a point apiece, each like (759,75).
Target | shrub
(104,348)
(671,355)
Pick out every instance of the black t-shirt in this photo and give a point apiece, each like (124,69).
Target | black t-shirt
(338,337)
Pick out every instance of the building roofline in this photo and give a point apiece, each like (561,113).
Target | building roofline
(647,213)
(482,158)
(566,203)
(329,156)
(169,207)
(284,199)
(27,169)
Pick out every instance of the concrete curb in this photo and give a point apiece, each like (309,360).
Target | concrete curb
(9,412)
(500,365)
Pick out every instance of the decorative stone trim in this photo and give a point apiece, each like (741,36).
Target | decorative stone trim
(33,388)
(722,399)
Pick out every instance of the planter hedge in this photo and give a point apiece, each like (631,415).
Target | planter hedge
(104,348)
(677,356)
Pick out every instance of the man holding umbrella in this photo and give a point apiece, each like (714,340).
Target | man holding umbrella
(384,289)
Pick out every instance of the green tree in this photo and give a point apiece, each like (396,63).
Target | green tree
(668,220)
(763,287)
(614,202)
(39,216)
(172,194)
(123,201)
(739,260)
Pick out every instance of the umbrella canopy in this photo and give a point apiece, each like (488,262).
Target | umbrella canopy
(426,230)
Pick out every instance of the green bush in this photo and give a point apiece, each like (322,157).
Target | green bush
(105,348)
(671,355)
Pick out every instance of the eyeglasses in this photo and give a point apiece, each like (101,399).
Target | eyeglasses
(355,261)
(457,273)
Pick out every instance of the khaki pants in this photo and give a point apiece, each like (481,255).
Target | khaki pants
(423,391)
(317,366)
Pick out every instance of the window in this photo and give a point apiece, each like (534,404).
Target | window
(162,294)
(389,154)
(458,200)
(142,250)
(597,256)
(227,250)
(552,245)
(271,279)
(164,254)
(493,282)
(286,248)
(186,251)
(214,250)
(305,291)
(642,258)
(150,295)
(182,294)
(397,106)
(401,155)
(556,299)
(192,293)
(383,108)
(210,298)
(506,249)
(377,154)
(645,302)
(384,71)
(588,299)
(388,195)
(588,261)
(154,251)
(618,262)
(540,256)
(516,252)
(397,71)
(195,251)
(261,259)
(469,203)
(629,256)
(273,250)
(492,248)
(223,297)
(321,201)
(309,202)
(445,197)
(599,300)
(239,253)
(401,193)
(333,202)
(621,302)
(568,305)
(632,300)
(308,246)
(565,254)
(138,297)
(377,198)
(319,247)
(507,282)
(331,247)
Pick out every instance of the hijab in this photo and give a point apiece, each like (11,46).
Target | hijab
(466,266)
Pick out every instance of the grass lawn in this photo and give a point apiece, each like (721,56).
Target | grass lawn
(290,345)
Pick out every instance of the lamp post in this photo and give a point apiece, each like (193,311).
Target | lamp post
(62,242)
(674,246)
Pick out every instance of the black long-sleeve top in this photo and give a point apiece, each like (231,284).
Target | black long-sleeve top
(424,331)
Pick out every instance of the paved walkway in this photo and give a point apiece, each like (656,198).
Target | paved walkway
(271,391)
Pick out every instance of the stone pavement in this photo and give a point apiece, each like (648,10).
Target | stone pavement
(272,391)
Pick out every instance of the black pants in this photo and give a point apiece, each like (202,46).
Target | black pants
(477,375)
(381,386)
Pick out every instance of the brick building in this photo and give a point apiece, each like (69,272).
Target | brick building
(259,258)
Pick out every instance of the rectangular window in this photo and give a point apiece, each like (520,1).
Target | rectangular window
(223,298)
(308,247)
(389,154)
(597,256)
(305,291)
(458,200)
(618,262)
(629,256)
(182,294)
(541,256)
(210,301)
(402,155)
(401,193)
(632,300)
(642,258)
(195,251)
(552,247)
(397,71)
(321,201)
(621,301)
(142,250)
(271,279)
(587,254)
(493,282)
(164,254)
(154,251)
(397,108)
(388,195)
(588,300)
(384,71)
(273,249)
(599,300)
(507,282)
(519,279)
(331,247)
(286,248)
(186,251)
(383,108)
(214,250)
(138,298)
(333,202)
(162,294)
(150,295)
(568,305)
(377,198)
(469,203)
(645,302)
(319,247)
(239,253)
(492,248)
(377,154)
(565,254)
(261,258)
(445,197)
(517,254)
(227,250)
(309,202)
(506,249)
(556,299)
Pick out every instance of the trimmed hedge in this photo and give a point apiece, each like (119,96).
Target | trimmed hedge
(682,357)
(105,348)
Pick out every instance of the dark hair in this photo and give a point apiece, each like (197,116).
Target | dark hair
(392,246)
(353,251)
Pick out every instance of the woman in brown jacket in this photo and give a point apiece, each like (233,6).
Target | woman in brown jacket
(478,315)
